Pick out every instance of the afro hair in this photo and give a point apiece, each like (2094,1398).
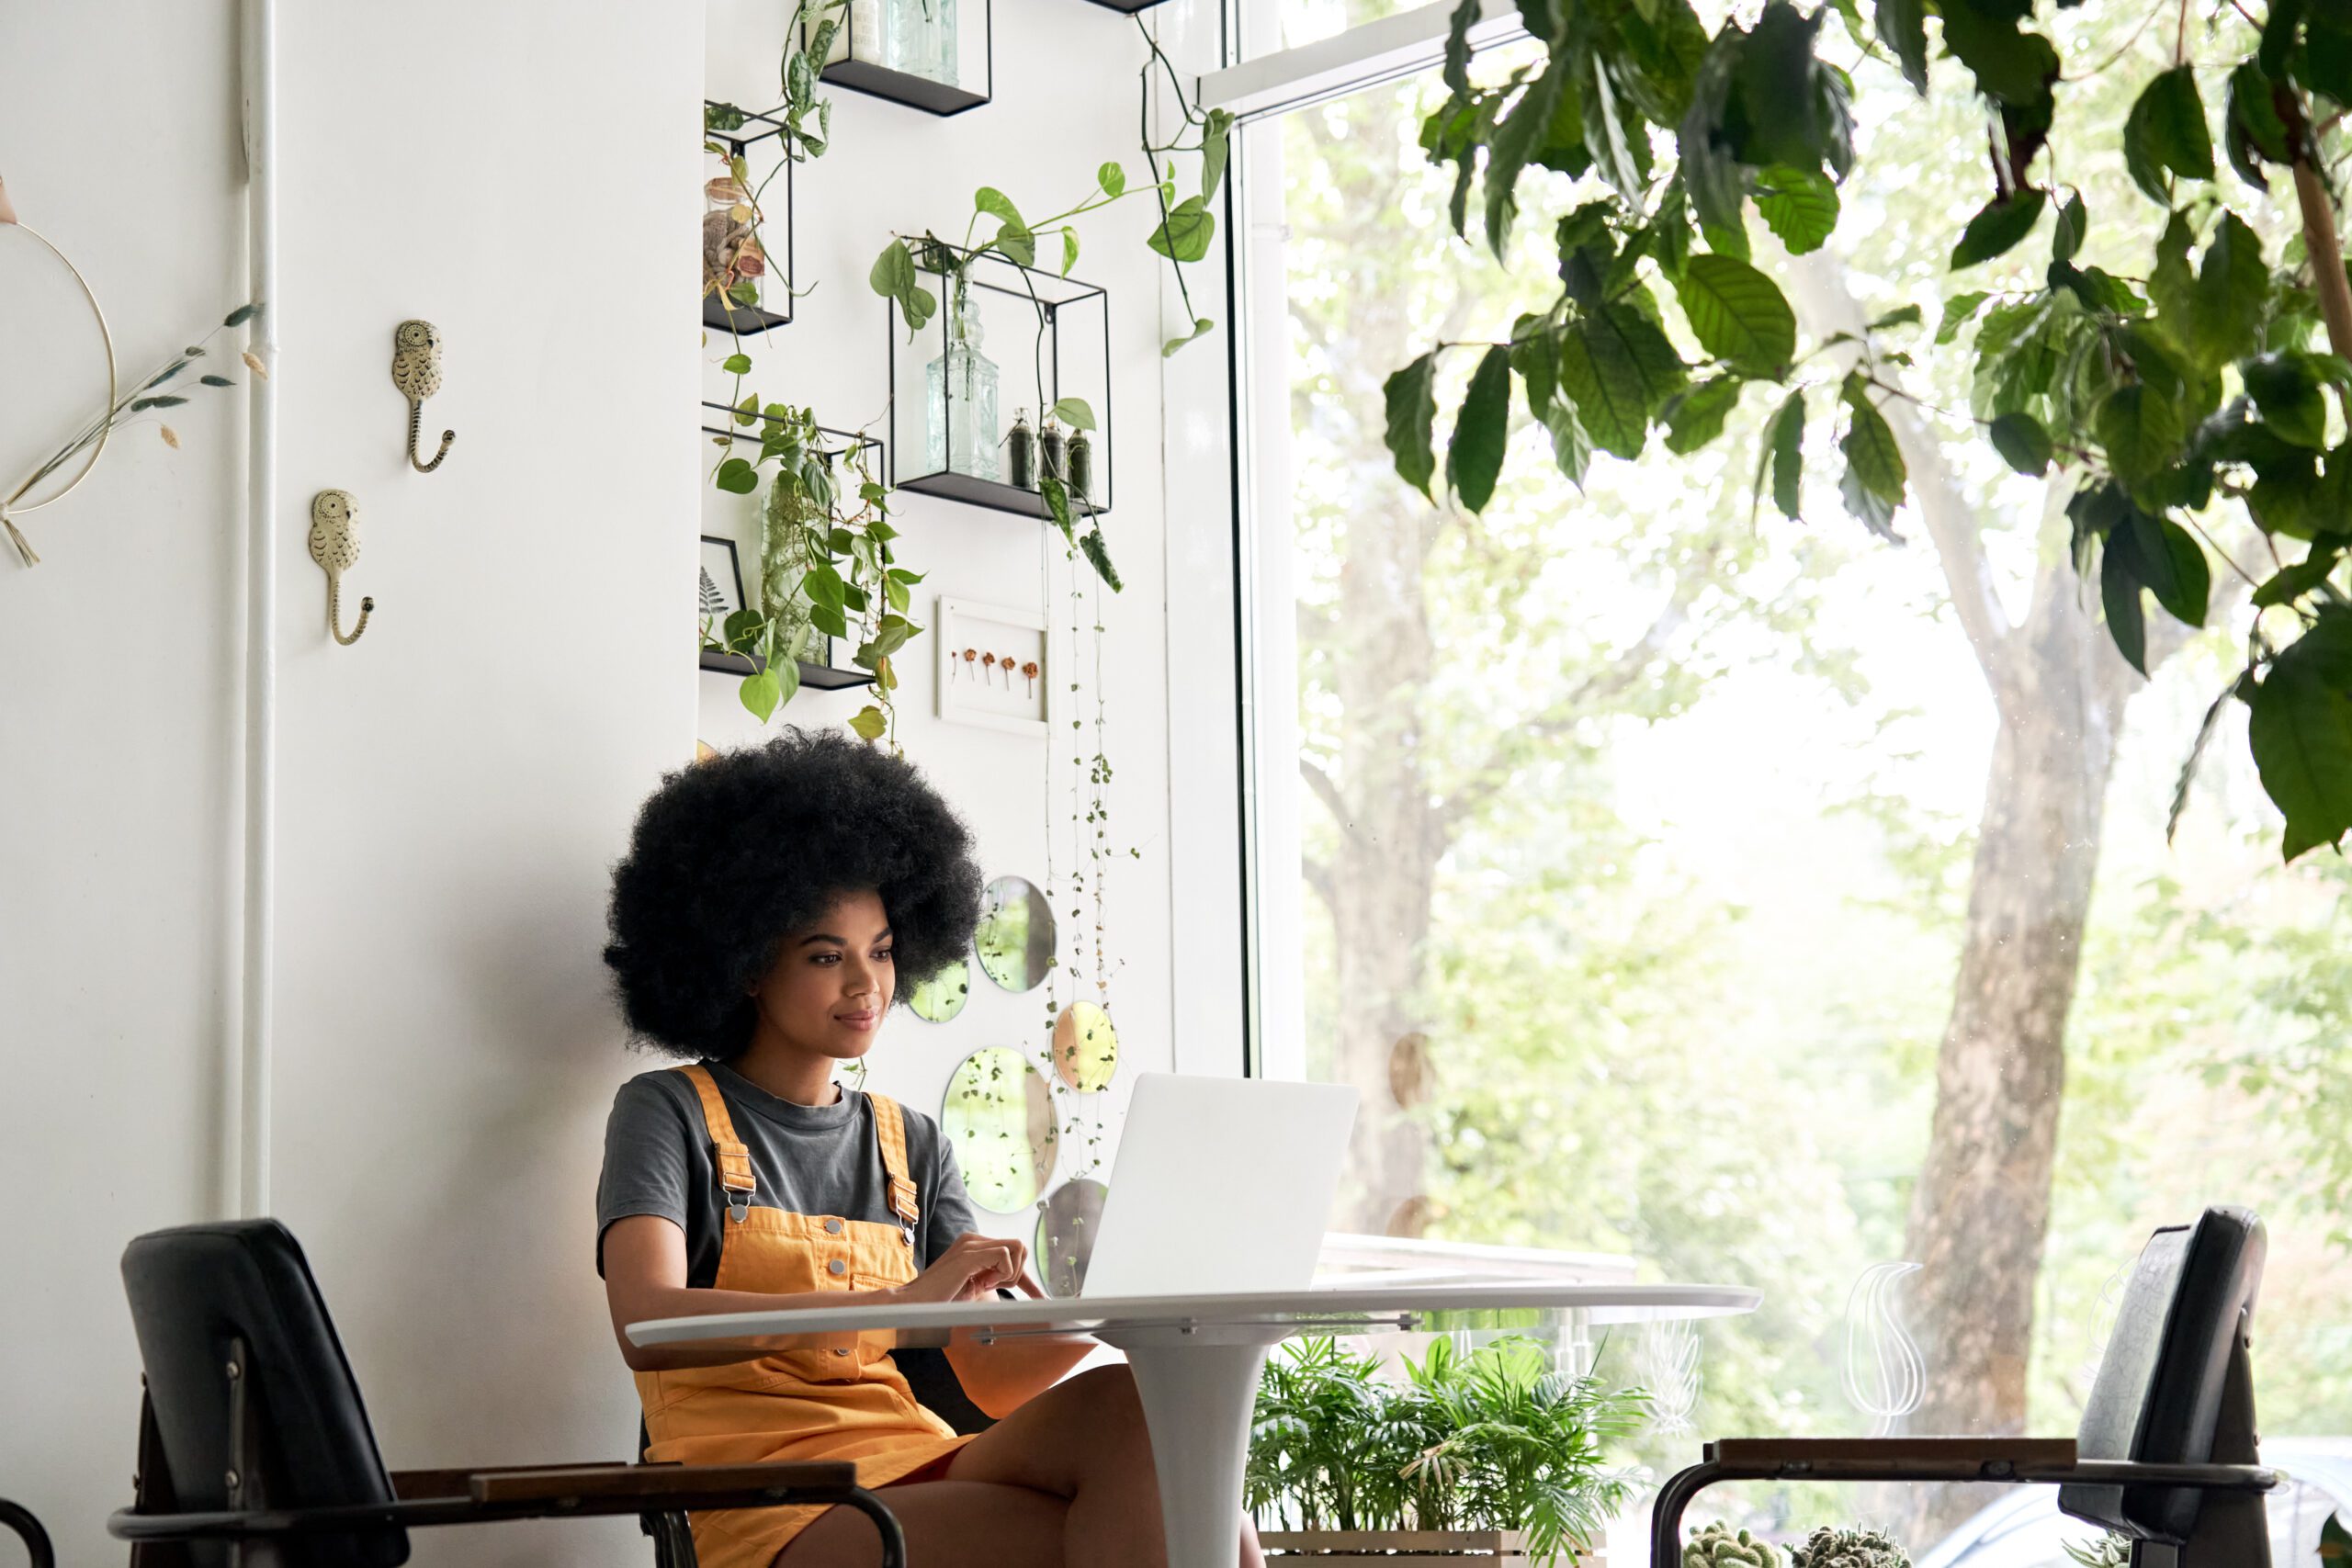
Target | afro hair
(735,852)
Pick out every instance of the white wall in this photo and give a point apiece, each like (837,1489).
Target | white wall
(454,787)
(117,721)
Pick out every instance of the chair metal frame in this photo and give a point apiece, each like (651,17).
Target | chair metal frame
(2231,1530)
(17,1518)
(660,1494)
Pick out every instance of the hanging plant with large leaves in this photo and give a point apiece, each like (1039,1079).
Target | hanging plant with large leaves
(2218,379)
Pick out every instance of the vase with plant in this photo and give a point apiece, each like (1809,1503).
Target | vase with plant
(1492,1453)
(827,567)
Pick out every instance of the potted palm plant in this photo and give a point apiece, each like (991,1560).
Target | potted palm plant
(1490,1454)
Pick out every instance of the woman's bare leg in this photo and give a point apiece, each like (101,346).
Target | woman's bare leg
(948,1524)
(1085,1439)
(1064,1482)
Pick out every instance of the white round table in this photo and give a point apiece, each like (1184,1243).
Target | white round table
(1197,1359)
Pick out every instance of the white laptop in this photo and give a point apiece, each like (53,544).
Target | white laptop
(1221,1186)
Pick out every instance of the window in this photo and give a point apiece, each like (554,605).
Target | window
(1621,845)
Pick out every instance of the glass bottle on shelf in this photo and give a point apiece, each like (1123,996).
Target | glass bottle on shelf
(921,39)
(959,397)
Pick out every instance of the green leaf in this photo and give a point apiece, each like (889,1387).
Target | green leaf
(2011,67)
(893,276)
(1571,447)
(764,692)
(2232,294)
(996,204)
(1784,451)
(1536,357)
(1474,457)
(1515,140)
(2169,563)
(1958,311)
(1411,400)
(741,629)
(1618,368)
(737,476)
(2255,133)
(1201,328)
(215,381)
(1098,556)
(1075,413)
(1070,248)
(2287,387)
(1016,244)
(2290,583)
(1695,415)
(2073,221)
(1903,27)
(868,724)
(829,620)
(1876,513)
(1999,226)
(1183,235)
(2021,441)
(1800,205)
(1056,498)
(2166,131)
(1872,455)
(1215,144)
(1900,316)
(2301,728)
(2141,431)
(1113,179)
(1738,314)
(242,314)
(737,364)
(2119,593)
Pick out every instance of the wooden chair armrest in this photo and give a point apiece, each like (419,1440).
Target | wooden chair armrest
(652,1482)
(1893,1458)
(457,1480)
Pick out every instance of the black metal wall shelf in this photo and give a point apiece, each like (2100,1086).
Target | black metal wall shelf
(816,677)
(861,60)
(1049,335)
(720,313)
(1126,10)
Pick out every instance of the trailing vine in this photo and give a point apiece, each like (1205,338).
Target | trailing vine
(827,566)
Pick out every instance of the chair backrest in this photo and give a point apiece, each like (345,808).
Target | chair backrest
(195,1291)
(2177,1344)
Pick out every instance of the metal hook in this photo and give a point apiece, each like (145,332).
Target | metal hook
(334,544)
(416,371)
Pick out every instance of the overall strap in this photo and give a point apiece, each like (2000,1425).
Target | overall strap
(727,1152)
(890,1132)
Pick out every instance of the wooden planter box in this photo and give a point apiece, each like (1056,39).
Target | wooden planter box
(1407,1549)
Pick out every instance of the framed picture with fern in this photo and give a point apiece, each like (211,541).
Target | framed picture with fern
(719,595)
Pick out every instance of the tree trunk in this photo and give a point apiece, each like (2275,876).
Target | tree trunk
(1390,841)
(1981,1210)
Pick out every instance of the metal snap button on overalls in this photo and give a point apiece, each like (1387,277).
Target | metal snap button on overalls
(832,1227)
(837,1266)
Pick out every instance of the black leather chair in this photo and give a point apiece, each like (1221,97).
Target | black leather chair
(255,1446)
(2166,1453)
(15,1517)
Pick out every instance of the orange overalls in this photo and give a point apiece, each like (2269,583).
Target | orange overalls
(795,1405)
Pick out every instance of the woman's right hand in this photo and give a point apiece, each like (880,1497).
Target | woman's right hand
(973,1267)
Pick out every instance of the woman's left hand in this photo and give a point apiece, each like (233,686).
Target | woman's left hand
(972,1267)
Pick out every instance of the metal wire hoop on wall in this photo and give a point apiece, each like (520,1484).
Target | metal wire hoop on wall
(8,507)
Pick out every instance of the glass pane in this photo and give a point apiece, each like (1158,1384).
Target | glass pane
(1646,859)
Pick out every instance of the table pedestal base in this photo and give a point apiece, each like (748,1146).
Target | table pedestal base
(1197,1400)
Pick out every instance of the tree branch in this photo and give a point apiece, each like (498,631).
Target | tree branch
(1328,792)
(1565,712)
(1827,306)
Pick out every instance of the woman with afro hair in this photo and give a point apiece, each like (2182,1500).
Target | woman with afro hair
(774,903)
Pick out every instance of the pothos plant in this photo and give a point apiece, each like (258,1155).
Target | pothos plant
(826,565)
(2213,384)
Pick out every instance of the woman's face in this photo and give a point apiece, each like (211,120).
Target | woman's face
(831,983)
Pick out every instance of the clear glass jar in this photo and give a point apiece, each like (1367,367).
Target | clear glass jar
(959,398)
(920,39)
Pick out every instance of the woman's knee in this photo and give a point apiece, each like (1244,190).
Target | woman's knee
(1110,1397)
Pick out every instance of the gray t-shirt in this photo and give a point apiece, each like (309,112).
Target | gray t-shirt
(805,1160)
